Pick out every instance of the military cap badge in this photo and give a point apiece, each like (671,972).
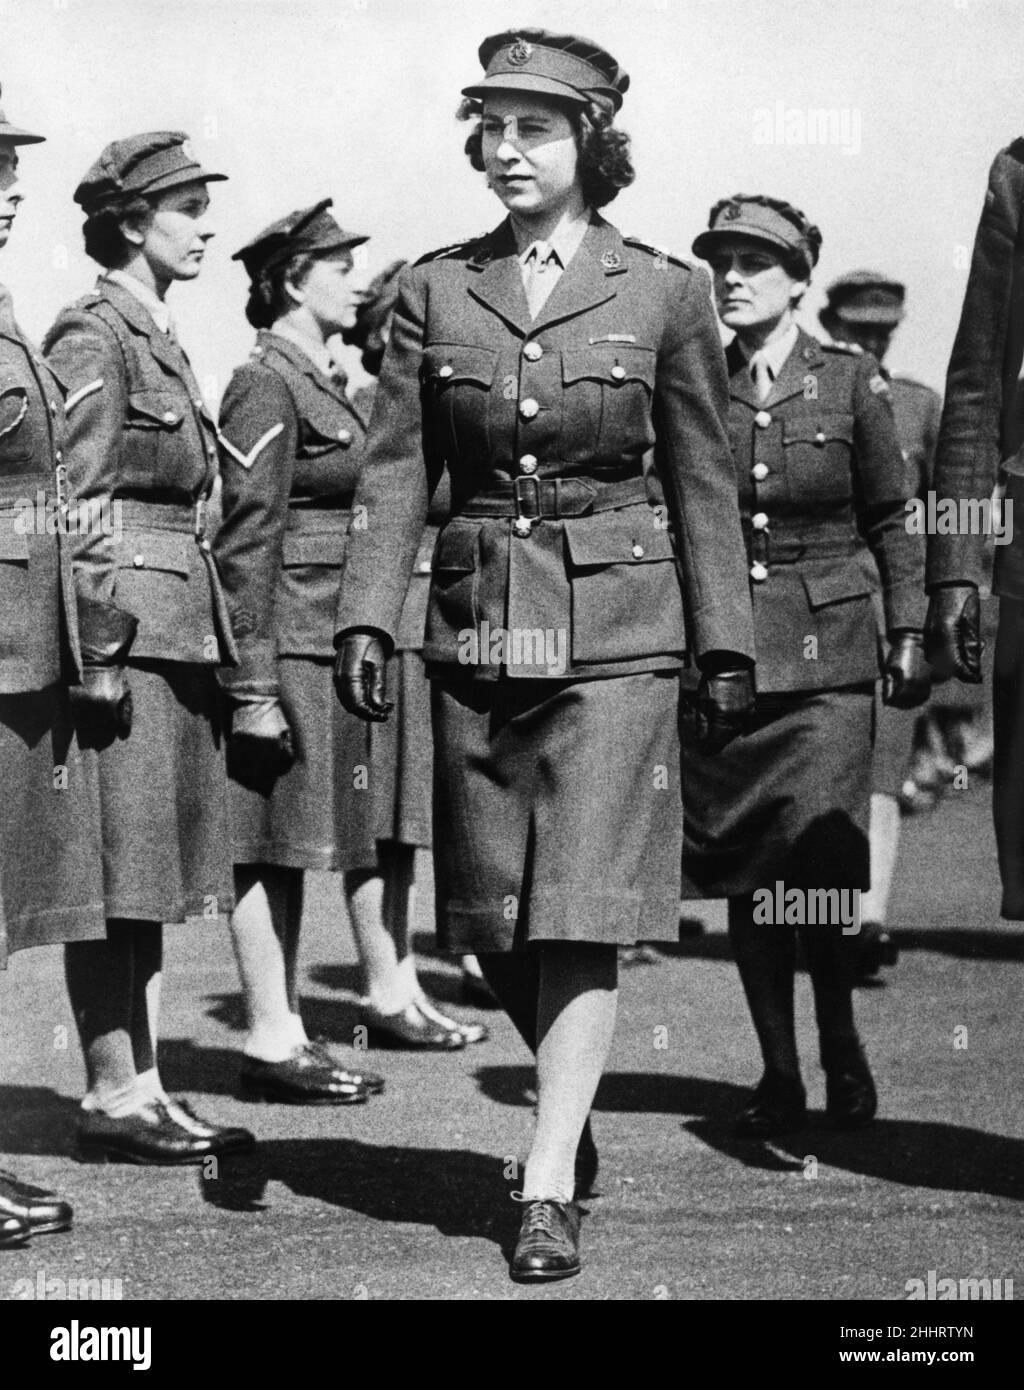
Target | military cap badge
(730,212)
(520,52)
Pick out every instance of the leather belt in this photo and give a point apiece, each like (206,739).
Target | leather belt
(318,520)
(549,499)
(166,516)
(769,548)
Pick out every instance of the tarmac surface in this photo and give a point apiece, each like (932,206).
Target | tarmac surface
(407,1197)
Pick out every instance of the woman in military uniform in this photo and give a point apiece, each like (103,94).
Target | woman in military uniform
(821,482)
(309,790)
(539,364)
(141,450)
(51,880)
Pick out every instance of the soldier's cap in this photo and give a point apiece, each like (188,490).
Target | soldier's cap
(14,135)
(141,165)
(375,306)
(558,65)
(744,215)
(865,296)
(311,230)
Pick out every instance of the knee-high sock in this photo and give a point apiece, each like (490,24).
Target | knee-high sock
(265,935)
(885,843)
(99,978)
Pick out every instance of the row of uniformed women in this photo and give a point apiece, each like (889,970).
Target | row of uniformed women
(143,803)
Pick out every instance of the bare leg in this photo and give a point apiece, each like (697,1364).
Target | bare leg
(265,934)
(575,1023)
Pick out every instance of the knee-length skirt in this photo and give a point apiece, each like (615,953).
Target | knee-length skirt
(557,811)
(51,854)
(352,784)
(789,801)
(164,802)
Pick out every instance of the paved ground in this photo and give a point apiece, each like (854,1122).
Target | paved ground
(406,1197)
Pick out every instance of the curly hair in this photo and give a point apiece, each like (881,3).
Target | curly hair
(799,262)
(268,298)
(105,241)
(605,166)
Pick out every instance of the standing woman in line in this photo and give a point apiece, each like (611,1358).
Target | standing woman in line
(141,450)
(821,483)
(540,363)
(306,778)
(51,879)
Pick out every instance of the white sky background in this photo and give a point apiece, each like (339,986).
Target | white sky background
(355,99)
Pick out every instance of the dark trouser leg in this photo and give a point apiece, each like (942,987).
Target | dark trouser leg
(830,958)
(766,959)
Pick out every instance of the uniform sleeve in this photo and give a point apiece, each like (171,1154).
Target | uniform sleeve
(698,473)
(258,439)
(968,456)
(882,486)
(86,357)
(400,473)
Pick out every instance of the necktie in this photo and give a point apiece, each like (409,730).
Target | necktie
(538,275)
(762,375)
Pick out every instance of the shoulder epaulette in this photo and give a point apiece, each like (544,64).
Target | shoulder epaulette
(1016,150)
(446,252)
(658,251)
(850,349)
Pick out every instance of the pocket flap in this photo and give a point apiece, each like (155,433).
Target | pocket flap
(445,364)
(456,549)
(323,421)
(629,536)
(13,408)
(156,550)
(833,586)
(818,429)
(613,363)
(155,410)
(323,548)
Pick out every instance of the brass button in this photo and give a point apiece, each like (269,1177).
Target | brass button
(762,419)
(424,567)
(819,438)
(760,471)
(522,526)
(638,552)
(345,437)
(446,371)
(758,573)
(58,456)
(619,372)
(529,408)
(760,521)
(205,545)
(53,407)
(528,463)
(170,417)
(138,560)
(533,352)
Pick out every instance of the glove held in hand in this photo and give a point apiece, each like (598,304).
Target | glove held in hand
(952,634)
(360,676)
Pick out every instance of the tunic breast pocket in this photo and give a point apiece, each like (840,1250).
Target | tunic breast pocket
(818,453)
(457,382)
(155,440)
(626,596)
(15,439)
(609,388)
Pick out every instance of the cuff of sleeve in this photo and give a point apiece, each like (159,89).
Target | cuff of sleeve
(256,672)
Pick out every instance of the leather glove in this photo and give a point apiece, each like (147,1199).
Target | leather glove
(725,702)
(906,675)
(359,676)
(103,703)
(260,746)
(952,633)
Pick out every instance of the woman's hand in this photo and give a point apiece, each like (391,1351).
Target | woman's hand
(359,676)
(953,633)
(260,747)
(725,702)
(907,677)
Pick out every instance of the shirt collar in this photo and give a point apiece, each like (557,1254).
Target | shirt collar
(319,356)
(152,303)
(565,242)
(776,353)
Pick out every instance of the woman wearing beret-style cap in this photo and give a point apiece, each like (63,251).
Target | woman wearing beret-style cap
(51,877)
(778,823)
(539,364)
(308,785)
(141,457)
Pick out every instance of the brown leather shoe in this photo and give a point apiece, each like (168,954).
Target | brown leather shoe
(13,1231)
(153,1135)
(850,1096)
(309,1076)
(41,1211)
(410,1028)
(549,1242)
(777,1106)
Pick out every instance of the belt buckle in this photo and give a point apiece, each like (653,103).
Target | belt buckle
(199,519)
(523,523)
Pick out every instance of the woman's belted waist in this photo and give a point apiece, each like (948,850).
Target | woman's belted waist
(553,498)
(165,516)
(776,545)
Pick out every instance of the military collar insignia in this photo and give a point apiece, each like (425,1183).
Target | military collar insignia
(611,260)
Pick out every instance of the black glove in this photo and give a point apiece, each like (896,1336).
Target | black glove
(103,702)
(359,676)
(906,675)
(952,633)
(260,746)
(725,702)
